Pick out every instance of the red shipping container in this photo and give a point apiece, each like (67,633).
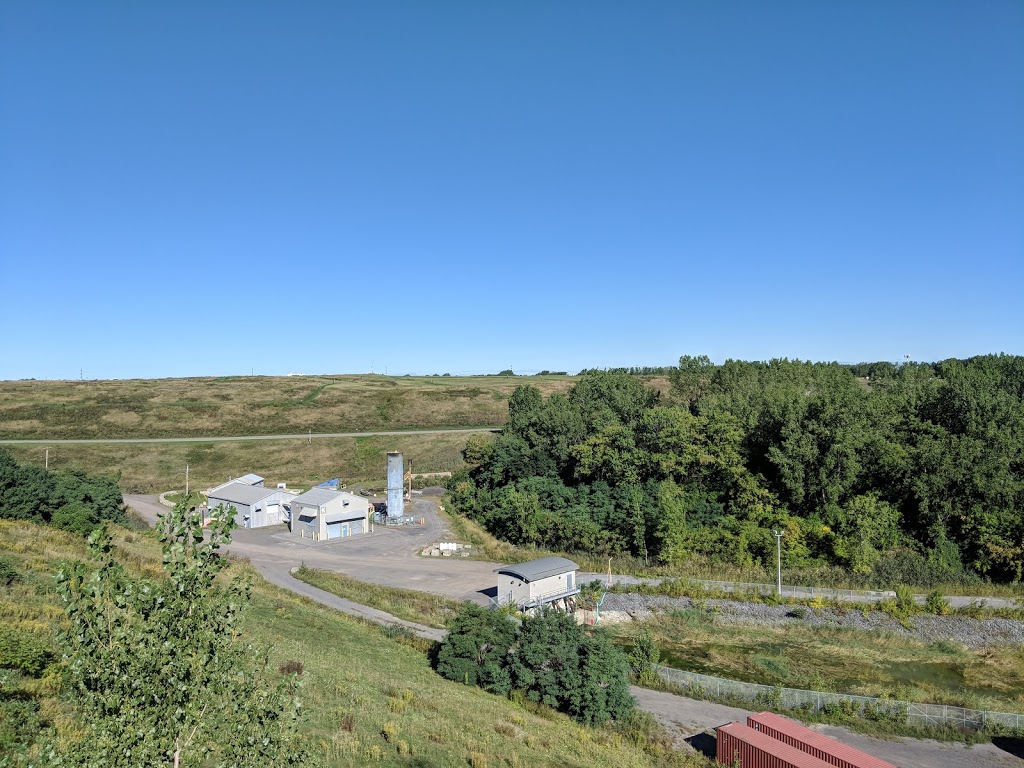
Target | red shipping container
(813,743)
(753,749)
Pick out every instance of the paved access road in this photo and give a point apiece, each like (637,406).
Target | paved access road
(390,556)
(690,717)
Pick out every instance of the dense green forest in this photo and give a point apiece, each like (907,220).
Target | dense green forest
(909,472)
(68,499)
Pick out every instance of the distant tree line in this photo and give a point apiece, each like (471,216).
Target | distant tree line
(634,370)
(67,499)
(909,472)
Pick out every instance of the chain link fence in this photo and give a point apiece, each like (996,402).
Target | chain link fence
(707,687)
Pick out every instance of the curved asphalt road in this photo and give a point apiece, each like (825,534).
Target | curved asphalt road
(390,556)
(215,439)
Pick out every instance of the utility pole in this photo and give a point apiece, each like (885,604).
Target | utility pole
(186,482)
(46,465)
(778,558)
(310,436)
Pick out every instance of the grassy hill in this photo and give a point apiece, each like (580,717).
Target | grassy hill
(255,405)
(367,698)
(155,467)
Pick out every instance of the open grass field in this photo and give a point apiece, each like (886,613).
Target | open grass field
(157,467)
(367,699)
(840,660)
(256,405)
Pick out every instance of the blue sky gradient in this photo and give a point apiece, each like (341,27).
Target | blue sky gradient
(217,188)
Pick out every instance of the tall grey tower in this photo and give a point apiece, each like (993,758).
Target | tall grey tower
(396,485)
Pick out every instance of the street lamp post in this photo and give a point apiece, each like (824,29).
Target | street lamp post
(778,559)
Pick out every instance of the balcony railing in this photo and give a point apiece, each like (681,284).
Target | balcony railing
(533,600)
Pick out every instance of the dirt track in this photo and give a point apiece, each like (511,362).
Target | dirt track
(235,438)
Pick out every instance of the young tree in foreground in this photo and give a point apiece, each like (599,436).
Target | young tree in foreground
(158,669)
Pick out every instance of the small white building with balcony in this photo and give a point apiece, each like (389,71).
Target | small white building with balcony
(547,581)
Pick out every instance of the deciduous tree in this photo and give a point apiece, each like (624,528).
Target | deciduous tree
(158,668)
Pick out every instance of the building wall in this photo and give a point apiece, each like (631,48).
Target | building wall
(512,590)
(257,511)
(239,511)
(304,528)
(310,529)
(357,510)
(563,582)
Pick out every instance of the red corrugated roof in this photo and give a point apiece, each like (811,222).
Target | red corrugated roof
(800,732)
(780,749)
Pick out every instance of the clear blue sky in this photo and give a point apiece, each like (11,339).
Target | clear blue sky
(207,188)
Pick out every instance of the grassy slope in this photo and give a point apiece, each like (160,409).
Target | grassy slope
(358,684)
(407,604)
(154,467)
(255,405)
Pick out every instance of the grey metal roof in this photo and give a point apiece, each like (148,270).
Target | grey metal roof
(249,479)
(317,497)
(535,570)
(240,493)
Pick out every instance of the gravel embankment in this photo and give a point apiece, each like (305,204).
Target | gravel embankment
(972,633)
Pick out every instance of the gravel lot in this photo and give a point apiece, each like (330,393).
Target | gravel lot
(972,633)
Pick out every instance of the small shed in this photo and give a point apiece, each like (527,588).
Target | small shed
(322,513)
(549,580)
(253,506)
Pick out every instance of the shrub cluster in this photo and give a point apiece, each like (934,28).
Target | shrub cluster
(548,659)
(8,573)
(68,499)
(26,652)
(903,606)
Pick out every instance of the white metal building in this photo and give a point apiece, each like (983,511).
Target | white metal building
(322,513)
(538,582)
(254,506)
